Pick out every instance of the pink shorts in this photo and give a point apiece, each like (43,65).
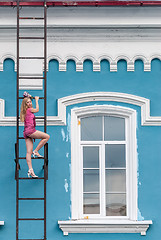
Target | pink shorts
(27,132)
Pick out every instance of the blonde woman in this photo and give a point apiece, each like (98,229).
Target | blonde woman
(27,116)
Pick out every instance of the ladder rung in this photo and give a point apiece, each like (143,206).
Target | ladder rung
(31,77)
(20,137)
(31,57)
(31,198)
(39,117)
(32,239)
(31,38)
(33,18)
(30,219)
(33,97)
(32,158)
(36,117)
(30,178)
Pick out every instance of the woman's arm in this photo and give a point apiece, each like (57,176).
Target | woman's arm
(35,110)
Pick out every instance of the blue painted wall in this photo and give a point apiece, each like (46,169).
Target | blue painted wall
(60,84)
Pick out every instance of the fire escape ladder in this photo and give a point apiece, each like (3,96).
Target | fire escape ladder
(18,159)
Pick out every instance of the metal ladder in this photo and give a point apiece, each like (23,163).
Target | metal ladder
(17,157)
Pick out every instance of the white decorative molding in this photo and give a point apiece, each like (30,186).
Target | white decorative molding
(96,66)
(53,57)
(37,84)
(144,103)
(113,66)
(130,66)
(104,226)
(8,56)
(62,66)
(79,66)
(155,56)
(80,34)
(1,222)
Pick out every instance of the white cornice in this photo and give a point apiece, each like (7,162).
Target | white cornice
(63,103)
(85,33)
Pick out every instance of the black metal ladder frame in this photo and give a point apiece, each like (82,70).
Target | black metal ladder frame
(45,166)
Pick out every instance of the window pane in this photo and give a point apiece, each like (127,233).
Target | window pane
(115,156)
(115,204)
(90,157)
(115,180)
(114,128)
(90,180)
(91,204)
(91,129)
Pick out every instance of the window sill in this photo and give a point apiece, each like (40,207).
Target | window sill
(1,222)
(104,226)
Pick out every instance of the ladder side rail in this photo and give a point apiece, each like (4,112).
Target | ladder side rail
(45,53)
(16,161)
(45,56)
(17,145)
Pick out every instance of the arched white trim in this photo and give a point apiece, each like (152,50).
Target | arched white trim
(53,57)
(104,96)
(144,103)
(105,57)
(155,56)
(4,57)
(96,62)
(146,62)
(75,59)
(88,57)
(71,57)
(122,57)
(138,57)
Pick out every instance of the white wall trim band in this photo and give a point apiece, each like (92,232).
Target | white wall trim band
(144,103)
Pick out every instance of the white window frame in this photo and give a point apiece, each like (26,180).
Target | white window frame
(107,224)
(76,162)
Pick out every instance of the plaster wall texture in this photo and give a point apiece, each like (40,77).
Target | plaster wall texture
(87,36)
(58,198)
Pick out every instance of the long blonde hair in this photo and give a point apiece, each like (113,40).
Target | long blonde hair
(23,109)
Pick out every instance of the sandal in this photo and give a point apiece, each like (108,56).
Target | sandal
(36,154)
(31,173)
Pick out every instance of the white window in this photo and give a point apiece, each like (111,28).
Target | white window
(103,142)
(103,172)
(104,169)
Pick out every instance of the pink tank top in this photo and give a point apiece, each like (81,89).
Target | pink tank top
(29,119)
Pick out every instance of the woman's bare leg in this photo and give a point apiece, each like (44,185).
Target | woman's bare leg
(29,147)
(40,135)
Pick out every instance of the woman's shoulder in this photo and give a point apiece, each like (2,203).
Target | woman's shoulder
(28,110)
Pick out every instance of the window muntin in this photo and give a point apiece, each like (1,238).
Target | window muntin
(107,169)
